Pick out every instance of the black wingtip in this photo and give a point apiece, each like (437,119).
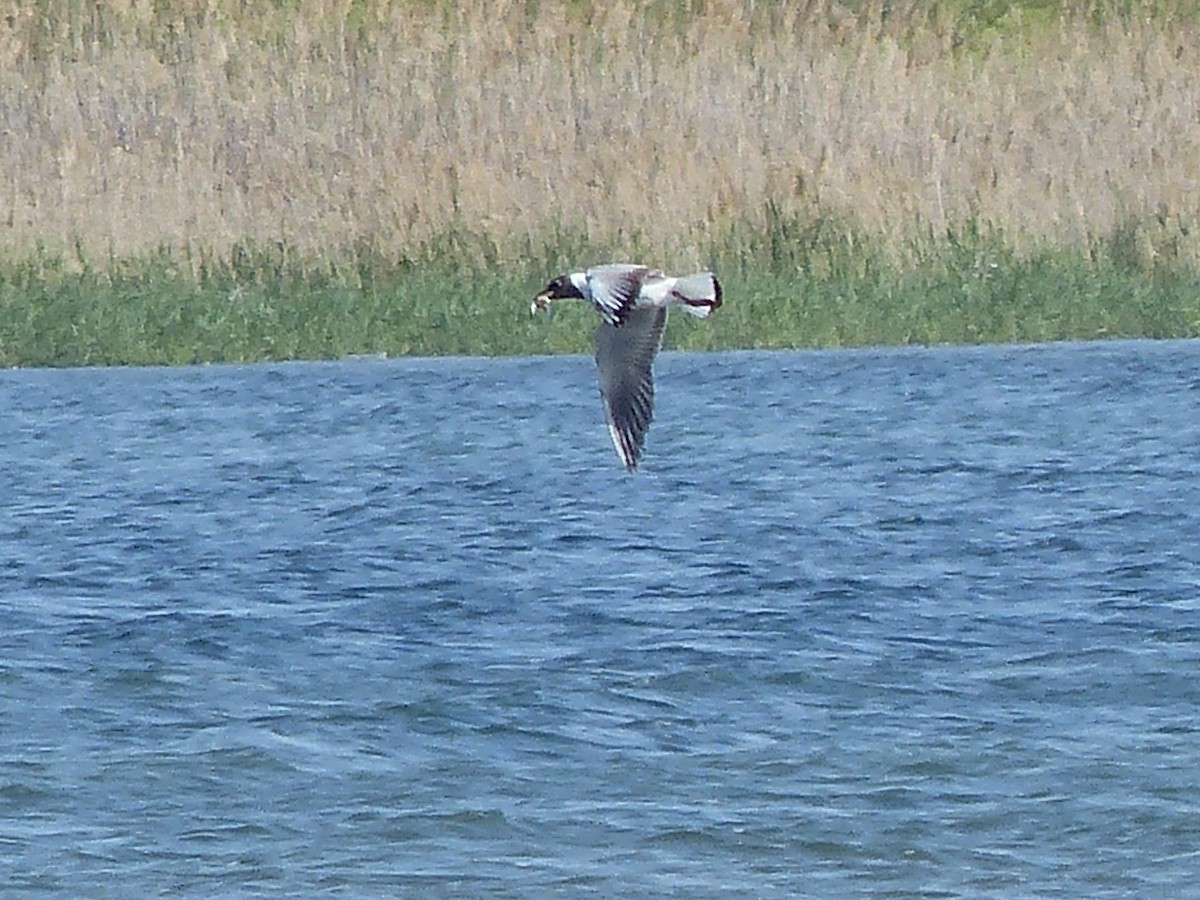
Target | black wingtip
(616,317)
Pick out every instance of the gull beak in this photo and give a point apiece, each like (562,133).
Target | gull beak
(540,302)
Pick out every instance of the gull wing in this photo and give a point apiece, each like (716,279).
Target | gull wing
(624,356)
(615,289)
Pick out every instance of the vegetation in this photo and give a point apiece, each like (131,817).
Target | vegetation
(201,180)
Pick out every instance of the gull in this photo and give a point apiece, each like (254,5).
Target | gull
(632,302)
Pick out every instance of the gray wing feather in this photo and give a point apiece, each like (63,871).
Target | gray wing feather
(624,356)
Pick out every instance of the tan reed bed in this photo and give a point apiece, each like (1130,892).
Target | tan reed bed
(321,123)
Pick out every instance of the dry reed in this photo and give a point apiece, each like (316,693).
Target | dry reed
(638,130)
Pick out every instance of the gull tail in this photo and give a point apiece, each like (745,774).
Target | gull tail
(697,294)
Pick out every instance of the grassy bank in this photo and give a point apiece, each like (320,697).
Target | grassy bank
(835,291)
(209,180)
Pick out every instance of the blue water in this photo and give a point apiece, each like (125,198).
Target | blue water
(884,622)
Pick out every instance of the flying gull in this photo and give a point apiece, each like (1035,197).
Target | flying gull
(632,302)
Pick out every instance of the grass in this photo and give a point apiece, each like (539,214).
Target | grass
(189,181)
(845,293)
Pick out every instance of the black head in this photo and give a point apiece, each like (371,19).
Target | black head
(561,288)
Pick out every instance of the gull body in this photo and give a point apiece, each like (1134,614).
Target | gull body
(632,301)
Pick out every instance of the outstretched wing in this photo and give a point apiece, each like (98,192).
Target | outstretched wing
(615,289)
(624,356)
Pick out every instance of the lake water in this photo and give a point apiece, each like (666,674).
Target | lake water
(917,622)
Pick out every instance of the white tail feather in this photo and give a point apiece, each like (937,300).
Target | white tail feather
(697,294)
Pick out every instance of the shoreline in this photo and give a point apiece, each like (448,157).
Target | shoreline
(192,182)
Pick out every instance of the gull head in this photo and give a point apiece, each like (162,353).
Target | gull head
(561,288)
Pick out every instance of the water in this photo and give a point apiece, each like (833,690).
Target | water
(917,622)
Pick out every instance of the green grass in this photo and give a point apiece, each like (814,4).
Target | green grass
(797,285)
